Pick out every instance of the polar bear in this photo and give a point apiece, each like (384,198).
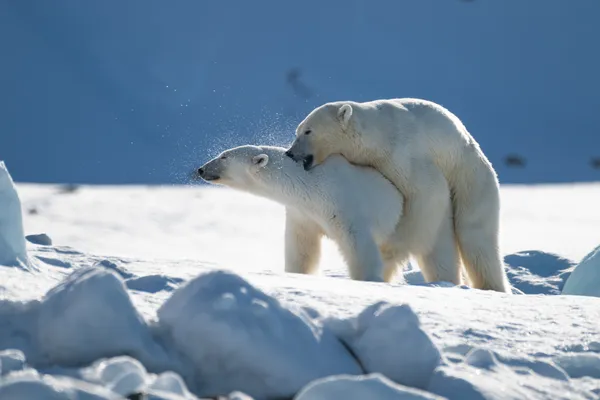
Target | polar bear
(354,206)
(423,149)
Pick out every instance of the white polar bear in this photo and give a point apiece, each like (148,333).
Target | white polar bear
(423,149)
(354,206)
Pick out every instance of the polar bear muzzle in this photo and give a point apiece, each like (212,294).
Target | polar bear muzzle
(205,173)
(307,159)
(308,162)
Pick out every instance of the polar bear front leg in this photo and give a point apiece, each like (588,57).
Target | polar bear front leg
(302,244)
(361,253)
(395,257)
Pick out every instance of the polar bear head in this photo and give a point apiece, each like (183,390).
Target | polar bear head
(332,128)
(236,167)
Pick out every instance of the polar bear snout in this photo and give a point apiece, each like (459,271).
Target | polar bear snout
(205,173)
(306,159)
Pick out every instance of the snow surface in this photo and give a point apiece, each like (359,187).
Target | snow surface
(371,386)
(180,292)
(584,279)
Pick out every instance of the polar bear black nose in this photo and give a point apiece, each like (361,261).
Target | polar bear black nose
(289,154)
(200,171)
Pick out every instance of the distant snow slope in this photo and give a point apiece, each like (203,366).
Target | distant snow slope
(115,92)
(234,229)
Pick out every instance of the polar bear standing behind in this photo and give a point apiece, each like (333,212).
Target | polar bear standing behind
(423,149)
(354,206)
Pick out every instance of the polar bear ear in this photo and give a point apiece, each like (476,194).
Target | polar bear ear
(344,114)
(260,160)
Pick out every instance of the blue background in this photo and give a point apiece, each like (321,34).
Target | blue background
(143,91)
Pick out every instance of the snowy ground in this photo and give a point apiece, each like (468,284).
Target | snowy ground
(135,272)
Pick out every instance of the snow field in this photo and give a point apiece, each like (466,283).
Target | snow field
(220,334)
(108,328)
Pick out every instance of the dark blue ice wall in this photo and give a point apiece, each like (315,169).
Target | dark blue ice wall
(140,91)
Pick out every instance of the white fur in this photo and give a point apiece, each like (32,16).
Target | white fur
(424,150)
(354,206)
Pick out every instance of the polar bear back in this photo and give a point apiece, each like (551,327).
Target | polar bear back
(334,192)
(360,192)
(421,128)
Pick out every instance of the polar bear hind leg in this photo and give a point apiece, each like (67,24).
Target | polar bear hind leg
(428,225)
(442,262)
(477,221)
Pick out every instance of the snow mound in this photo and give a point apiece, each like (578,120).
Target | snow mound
(88,316)
(371,386)
(484,376)
(537,272)
(126,376)
(389,339)
(578,365)
(29,384)
(11,360)
(153,283)
(239,396)
(13,249)
(123,375)
(585,278)
(239,338)
(115,267)
(169,384)
(41,239)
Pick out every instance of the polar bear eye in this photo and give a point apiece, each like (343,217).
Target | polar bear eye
(307,132)
(223,157)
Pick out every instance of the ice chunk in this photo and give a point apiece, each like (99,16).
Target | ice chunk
(238,338)
(90,316)
(12,239)
(585,278)
(389,340)
(11,360)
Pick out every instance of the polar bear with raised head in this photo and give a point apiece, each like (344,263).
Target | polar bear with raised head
(354,206)
(423,149)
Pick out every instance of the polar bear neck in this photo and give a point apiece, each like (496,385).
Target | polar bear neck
(286,182)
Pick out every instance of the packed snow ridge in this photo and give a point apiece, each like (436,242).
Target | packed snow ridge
(218,334)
